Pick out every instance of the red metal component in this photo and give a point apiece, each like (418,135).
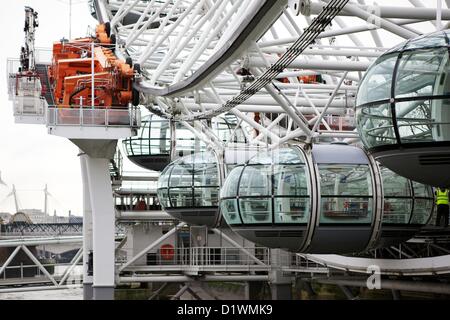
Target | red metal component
(71,78)
(167,251)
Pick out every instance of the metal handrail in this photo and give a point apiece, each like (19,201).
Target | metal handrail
(207,257)
(93,117)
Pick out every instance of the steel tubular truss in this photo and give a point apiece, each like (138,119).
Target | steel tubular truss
(47,229)
(308,36)
(54,281)
(200,59)
(41,228)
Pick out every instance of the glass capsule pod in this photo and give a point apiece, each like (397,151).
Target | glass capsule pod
(188,188)
(151,147)
(403,109)
(334,199)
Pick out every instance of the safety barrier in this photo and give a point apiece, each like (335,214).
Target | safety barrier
(92,117)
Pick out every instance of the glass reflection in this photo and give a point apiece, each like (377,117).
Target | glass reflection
(419,99)
(397,198)
(377,81)
(154,136)
(191,181)
(272,188)
(346,193)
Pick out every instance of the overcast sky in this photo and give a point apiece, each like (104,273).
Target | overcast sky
(29,157)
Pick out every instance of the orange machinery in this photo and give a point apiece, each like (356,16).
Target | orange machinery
(71,73)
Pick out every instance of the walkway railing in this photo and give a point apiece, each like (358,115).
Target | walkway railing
(87,116)
(222,259)
(203,258)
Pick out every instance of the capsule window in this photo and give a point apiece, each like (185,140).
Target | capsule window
(346,194)
(191,181)
(423,203)
(272,188)
(398,199)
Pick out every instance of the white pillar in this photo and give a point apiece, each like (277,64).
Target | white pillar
(103,219)
(87,229)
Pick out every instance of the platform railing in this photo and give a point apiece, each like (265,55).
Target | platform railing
(93,117)
(206,257)
(301,261)
(34,107)
(223,258)
(12,67)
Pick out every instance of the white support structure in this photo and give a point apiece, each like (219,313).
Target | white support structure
(87,230)
(188,48)
(54,283)
(236,245)
(10,258)
(103,227)
(151,246)
(75,260)
(36,261)
(280,67)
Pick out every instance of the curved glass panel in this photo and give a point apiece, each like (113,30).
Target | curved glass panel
(422,191)
(230,186)
(414,121)
(346,193)
(397,198)
(423,209)
(154,136)
(424,120)
(181,175)
(181,197)
(162,187)
(205,174)
(256,181)
(420,72)
(377,82)
(206,196)
(278,156)
(229,210)
(435,39)
(290,188)
(191,181)
(163,197)
(256,210)
(163,180)
(292,210)
(290,180)
(375,125)
(423,203)
(421,96)
(272,188)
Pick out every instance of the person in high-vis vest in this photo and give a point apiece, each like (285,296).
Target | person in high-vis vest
(442,199)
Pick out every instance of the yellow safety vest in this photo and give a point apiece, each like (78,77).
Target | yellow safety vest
(441,196)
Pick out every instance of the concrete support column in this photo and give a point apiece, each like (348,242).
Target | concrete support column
(280,282)
(253,290)
(103,218)
(87,230)
(281,291)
